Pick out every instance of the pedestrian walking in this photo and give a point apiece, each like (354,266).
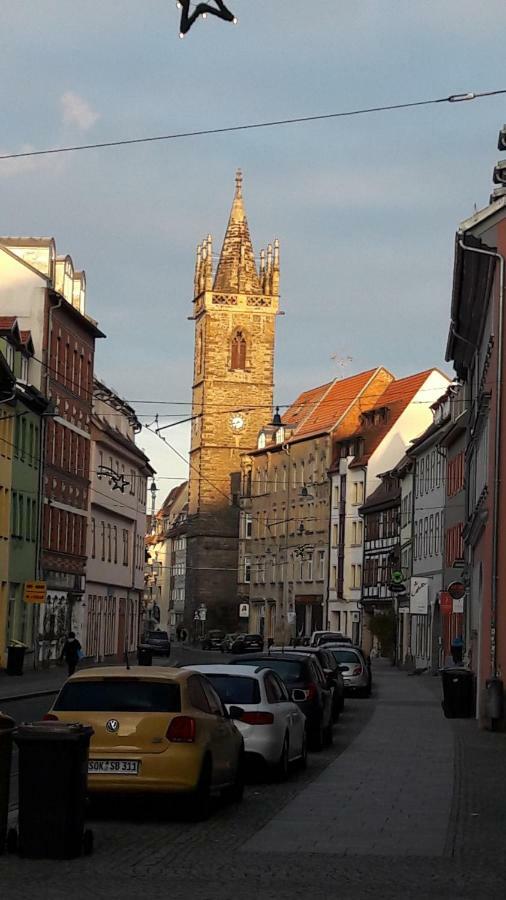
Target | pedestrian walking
(71,652)
(457,650)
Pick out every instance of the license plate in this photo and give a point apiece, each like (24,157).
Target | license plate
(113,767)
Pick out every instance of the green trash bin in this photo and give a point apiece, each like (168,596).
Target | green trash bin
(7,726)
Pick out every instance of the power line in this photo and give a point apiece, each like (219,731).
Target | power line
(452,98)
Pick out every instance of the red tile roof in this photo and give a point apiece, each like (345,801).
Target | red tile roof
(25,336)
(396,398)
(7,322)
(319,410)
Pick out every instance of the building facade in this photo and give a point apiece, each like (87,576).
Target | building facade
(110,613)
(398,412)
(234,311)
(48,296)
(165,576)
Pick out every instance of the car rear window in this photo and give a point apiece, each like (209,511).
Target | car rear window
(288,669)
(235,688)
(158,636)
(345,656)
(125,695)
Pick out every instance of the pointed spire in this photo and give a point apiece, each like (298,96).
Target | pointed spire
(236,269)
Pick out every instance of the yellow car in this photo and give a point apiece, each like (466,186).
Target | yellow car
(156,730)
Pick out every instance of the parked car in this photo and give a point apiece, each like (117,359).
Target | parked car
(326,637)
(247,643)
(333,673)
(164,731)
(156,641)
(354,667)
(213,640)
(307,687)
(228,640)
(272,725)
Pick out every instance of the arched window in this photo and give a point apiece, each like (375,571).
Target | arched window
(238,358)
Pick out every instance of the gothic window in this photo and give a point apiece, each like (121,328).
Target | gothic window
(200,349)
(238,358)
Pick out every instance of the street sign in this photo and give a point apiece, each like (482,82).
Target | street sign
(396,588)
(35,592)
(456,590)
(458,604)
(244,610)
(202,613)
(291,617)
(397,577)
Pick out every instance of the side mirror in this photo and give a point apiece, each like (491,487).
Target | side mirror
(236,712)
(298,695)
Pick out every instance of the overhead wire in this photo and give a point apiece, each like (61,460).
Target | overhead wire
(249,126)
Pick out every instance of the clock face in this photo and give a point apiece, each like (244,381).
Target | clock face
(237,422)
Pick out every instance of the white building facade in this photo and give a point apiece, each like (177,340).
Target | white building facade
(112,604)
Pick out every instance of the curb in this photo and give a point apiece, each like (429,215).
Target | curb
(30,696)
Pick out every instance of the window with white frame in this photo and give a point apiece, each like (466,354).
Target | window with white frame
(247,569)
(321,565)
(248,525)
(309,567)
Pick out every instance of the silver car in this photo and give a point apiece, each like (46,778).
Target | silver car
(272,725)
(355,670)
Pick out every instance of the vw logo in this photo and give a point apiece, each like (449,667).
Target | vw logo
(112,726)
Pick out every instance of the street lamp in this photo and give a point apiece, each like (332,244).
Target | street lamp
(153,489)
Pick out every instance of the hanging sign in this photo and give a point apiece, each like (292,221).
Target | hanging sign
(458,604)
(35,592)
(445,603)
(419,597)
(244,611)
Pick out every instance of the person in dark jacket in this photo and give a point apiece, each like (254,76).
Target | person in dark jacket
(70,652)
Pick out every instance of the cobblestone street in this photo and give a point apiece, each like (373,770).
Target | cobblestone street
(406,803)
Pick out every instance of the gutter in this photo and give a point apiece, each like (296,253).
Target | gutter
(497,446)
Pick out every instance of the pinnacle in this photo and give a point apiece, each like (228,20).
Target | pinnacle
(237,269)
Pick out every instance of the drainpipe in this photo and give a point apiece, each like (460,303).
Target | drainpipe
(497,447)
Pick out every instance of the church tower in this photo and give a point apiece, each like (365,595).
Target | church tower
(234,310)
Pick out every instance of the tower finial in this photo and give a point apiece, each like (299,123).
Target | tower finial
(238,183)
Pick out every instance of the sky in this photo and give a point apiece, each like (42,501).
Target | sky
(365,208)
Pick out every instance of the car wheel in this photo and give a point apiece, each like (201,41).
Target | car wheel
(283,765)
(236,792)
(199,805)
(318,738)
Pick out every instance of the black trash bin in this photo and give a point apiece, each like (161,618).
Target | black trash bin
(458,693)
(7,726)
(53,769)
(144,656)
(15,659)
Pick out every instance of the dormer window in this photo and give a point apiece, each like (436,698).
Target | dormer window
(261,440)
(280,435)
(24,367)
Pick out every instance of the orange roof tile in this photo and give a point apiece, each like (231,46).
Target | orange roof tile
(323,412)
(6,322)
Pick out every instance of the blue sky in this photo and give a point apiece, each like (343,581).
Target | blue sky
(365,208)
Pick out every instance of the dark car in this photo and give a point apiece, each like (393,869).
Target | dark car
(329,637)
(307,686)
(247,643)
(213,640)
(156,641)
(333,673)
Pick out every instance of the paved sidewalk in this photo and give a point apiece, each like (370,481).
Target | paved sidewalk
(389,794)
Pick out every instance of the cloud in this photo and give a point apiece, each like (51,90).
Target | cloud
(77,111)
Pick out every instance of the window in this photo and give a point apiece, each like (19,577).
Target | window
(247,569)
(273,690)
(432,470)
(310,568)
(333,577)
(431,535)
(102,540)
(285,478)
(421,476)
(336,495)
(425,536)
(248,525)
(9,355)
(321,565)
(437,535)
(294,474)
(356,576)
(261,571)
(92,537)
(238,351)
(275,479)
(125,546)
(358,493)
(109,543)
(335,534)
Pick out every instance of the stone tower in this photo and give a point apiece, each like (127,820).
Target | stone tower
(234,310)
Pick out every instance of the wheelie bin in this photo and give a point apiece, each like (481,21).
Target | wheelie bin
(458,693)
(53,769)
(7,726)
(144,655)
(15,659)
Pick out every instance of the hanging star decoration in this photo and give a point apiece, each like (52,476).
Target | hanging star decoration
(202,9)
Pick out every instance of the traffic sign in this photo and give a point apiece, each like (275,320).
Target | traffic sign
(35,592)
(456,590)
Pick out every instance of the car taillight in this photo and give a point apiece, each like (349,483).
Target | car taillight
(257,718)
(312,692)
(181,730)
(50,717)
(357,670)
